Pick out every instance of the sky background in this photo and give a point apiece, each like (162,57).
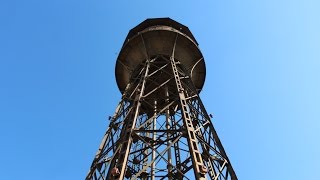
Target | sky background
(57,84)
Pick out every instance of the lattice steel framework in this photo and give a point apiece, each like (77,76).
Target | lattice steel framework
(160,129)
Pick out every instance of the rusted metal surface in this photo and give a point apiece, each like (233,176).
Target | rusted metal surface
(156,36)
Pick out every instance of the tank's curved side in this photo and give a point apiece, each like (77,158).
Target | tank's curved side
(159,40)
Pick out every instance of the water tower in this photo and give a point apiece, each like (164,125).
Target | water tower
(160,129)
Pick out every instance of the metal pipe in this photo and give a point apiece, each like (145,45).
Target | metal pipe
(154,137)
(168,121)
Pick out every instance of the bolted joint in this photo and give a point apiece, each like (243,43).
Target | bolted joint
(115,172)
(203,169)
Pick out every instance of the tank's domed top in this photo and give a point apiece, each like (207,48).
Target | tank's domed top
(155,37)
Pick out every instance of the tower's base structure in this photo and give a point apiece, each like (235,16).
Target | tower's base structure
(160,129)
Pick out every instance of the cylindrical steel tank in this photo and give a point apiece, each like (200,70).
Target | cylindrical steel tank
(155,37)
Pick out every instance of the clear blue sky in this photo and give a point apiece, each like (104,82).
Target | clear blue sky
(57,84)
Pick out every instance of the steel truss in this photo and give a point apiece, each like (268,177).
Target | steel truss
(161,130)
